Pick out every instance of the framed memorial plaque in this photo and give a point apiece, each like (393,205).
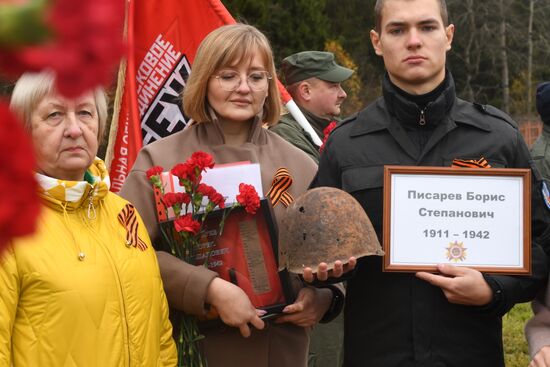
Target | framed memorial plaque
(245,254)
(245,251)
(475,217)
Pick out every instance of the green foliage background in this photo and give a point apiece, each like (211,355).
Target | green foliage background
(516,352)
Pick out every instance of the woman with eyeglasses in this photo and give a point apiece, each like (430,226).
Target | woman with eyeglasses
(231,92)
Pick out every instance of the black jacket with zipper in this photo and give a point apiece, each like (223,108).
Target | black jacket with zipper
(395,319)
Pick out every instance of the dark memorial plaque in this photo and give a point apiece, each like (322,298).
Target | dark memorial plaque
(245,254)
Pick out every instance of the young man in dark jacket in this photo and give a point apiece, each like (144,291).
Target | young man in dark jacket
(313,80)
(425,320)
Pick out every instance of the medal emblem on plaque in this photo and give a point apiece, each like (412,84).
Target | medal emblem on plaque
(456,252)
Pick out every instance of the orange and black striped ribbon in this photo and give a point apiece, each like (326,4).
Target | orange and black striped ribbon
(278,191)
(161,209)
(470,163)
(127,217)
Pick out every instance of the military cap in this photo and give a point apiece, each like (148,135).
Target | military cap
(543,102)
(309,64)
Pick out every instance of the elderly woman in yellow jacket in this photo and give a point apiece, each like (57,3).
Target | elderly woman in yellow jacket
(85,289)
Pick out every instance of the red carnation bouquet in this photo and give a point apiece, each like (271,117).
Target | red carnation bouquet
(185,234)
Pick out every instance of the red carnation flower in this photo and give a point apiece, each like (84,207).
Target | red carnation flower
(182,171)
(183,198)
(196,164)
(175,198)
(187,224)
(154,171)
(19,200)
(206,190)
(248,198)
(88,37)
(170,199)
(201,160)
(214,196)
(218,199)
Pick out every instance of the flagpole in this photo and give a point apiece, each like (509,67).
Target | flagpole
(295,111)
(121,76)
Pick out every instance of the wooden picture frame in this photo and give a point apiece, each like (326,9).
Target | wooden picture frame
(475,217)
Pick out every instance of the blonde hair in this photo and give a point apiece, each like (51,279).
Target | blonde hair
(225,46)
(32,87)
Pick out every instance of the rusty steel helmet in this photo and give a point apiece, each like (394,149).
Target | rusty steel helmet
(325,224)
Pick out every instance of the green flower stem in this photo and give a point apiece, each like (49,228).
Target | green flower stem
(183,245)
(167,239)
(189,354)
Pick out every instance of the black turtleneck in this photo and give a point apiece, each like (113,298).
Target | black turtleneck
(421,100)
(419,114)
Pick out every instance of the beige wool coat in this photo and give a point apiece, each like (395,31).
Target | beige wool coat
(278,345)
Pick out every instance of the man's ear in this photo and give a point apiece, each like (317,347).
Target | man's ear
(375,40)
(304,89)
(449,33)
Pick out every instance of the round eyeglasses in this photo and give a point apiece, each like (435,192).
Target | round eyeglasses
(230,80)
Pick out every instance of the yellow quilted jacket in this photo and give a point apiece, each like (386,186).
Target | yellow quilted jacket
(105,309)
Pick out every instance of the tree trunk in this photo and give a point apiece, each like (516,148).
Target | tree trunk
(468,50)
(529,108)
(504,59)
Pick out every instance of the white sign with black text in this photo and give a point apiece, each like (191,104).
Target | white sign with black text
(456,217)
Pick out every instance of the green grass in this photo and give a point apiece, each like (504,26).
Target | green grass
(516,352)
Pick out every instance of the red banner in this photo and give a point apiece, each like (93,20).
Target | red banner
(163,37)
